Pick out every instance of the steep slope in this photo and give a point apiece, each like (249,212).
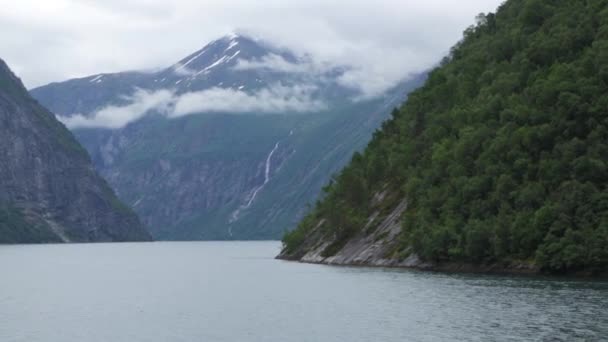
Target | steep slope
(497,162)
(49,191)
(225,173)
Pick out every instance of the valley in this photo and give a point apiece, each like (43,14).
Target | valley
(210,175)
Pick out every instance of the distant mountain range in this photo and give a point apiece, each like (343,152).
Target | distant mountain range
(49,190)
(231,142)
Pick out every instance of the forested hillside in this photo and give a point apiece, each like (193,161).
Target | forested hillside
(502,155)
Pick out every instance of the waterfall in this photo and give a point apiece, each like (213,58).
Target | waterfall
(267,169)
(266,175)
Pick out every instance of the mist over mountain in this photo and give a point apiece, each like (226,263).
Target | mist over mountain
(230,142)
(233,74)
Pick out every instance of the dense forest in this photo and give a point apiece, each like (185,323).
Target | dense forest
(502,154)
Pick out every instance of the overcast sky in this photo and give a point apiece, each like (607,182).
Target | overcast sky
(45,41)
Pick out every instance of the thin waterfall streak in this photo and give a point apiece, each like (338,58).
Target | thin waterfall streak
(266,175)
(267,169)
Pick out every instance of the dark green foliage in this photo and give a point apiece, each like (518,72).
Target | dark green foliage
(503,153)
(15,229)
(293,239)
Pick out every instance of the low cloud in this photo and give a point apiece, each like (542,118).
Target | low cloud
(379,39)
(140,103)
(275,99)
(274,62)
(182,70)
(370,81)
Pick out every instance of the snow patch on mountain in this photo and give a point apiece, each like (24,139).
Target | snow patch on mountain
(96,79)
(233,43)
(182,66)
(222,60)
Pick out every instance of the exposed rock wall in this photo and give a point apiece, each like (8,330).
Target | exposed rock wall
(48,177)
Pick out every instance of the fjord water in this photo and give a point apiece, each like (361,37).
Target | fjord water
(236,291)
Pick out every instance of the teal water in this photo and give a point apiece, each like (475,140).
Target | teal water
(237,292)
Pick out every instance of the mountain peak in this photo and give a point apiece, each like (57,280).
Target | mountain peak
(223,52)
(234,36)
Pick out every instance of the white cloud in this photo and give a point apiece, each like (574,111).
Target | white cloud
(370,81)
(140,103)
(275,99)
(182,70)
(274,62)
(381,40)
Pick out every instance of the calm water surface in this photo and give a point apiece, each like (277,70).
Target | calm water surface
(237,292)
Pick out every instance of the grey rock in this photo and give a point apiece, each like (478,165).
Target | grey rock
(49,177)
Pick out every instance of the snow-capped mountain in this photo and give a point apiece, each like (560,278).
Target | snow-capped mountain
(234,62)
(217,65)
(203,169)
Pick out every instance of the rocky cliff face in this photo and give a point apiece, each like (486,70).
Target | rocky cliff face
(191,185)
(48,185)
(374,246)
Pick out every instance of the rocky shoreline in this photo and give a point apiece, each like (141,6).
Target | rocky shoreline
(376,249)
(414,263)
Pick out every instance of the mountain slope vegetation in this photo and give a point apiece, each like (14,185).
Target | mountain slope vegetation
(502,155)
